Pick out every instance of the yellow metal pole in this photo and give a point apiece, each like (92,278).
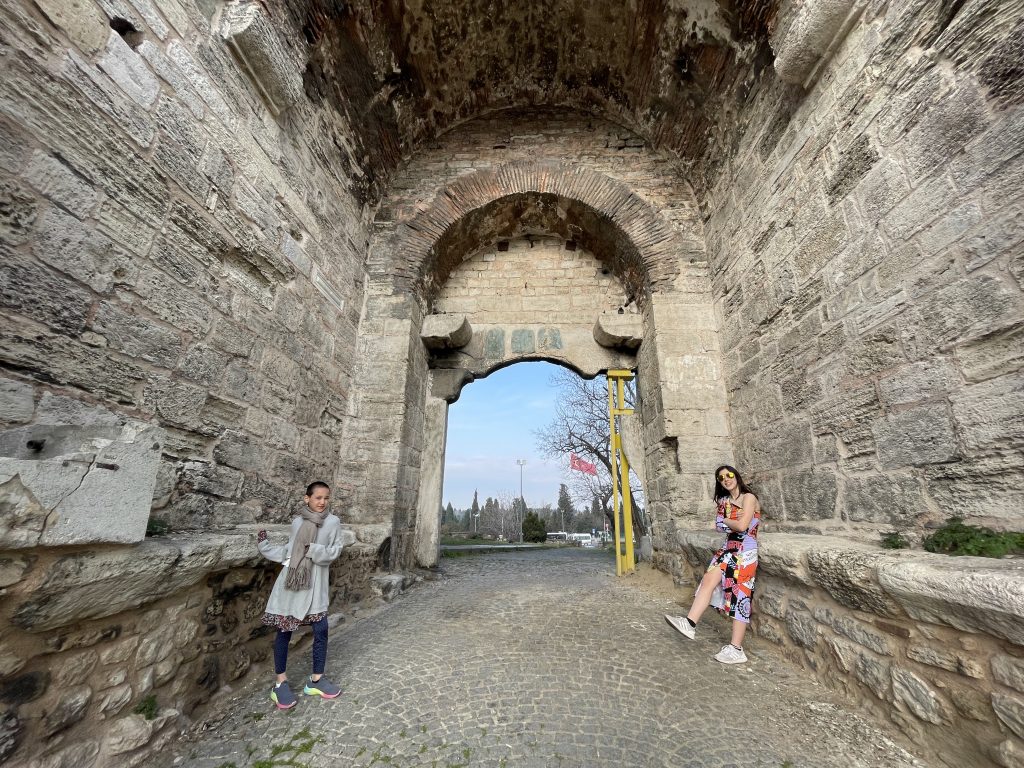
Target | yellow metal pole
(624,558)
(615,475)
(627,506)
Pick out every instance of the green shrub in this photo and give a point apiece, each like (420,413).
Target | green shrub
(157,527)
(147,707)
(956,538)
(894,540)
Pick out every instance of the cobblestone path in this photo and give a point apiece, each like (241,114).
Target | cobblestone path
(526,659)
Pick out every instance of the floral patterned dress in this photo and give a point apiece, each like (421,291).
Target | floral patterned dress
(737,560)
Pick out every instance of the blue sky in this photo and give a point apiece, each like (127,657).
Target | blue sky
(490,426)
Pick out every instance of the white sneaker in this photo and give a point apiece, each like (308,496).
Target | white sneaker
(730,655)
(681,625)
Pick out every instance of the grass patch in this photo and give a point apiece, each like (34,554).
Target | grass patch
(894,540)
(958,538)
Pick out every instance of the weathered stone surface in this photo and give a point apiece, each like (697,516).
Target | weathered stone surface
(618,331)
(69,709)
(446,331)
(891,499)
(90,584)
(95,483)
(809,494)
(82,21)
(850,576)
(16,401)
(915,693)
(1010,711)
(942,659)
(974,594)
(1009,754)
(253,37)
(128,70)
(127,734)
(84,754)
(114,699)
(805,34)
(990,415)
(916,436)
(1009,671)
(917,381)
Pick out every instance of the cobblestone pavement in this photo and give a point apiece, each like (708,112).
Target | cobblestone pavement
(538,659)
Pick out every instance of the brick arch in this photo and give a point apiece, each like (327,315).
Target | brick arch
(613,221)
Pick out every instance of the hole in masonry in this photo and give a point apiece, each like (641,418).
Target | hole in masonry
(503,245)
(128,31)
(570,245)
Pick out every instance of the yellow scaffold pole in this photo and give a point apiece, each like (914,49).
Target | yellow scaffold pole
(624,560)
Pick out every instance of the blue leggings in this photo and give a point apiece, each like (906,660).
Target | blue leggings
(319,648)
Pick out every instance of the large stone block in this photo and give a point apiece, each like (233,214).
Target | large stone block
(806,33)
(974,594)
(809,494)
(916,437)
(849,575)
(446,331)
(990,415)
(917,695)
(83,22)
(891,499)
(16,401)
(94,483)
(91,584)
(253,37)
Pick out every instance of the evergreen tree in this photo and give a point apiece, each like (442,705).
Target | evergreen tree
(566,509)
(448,515)
(474,511)
(533,528)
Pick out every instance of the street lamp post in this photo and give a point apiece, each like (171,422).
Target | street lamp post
(521,463)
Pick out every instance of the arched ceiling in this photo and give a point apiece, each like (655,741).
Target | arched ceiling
(401,72)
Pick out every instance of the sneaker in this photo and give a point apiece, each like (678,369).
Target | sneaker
(322,687)
(282,696)
(681,625)
(730,654)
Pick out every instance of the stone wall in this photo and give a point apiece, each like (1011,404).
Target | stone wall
(175,252)
(180,252)
(934,643)
(543,277)
(107,650)
(866,246)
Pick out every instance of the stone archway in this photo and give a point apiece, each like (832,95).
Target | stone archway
(526,299)
(394,400)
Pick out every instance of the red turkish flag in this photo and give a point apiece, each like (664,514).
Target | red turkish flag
(575,462)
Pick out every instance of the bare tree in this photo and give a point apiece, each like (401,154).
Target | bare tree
(581,426)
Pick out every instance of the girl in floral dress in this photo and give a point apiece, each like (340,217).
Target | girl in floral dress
(728,583)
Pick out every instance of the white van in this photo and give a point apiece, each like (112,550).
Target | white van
(581,539)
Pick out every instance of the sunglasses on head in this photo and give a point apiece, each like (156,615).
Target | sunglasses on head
(727,473)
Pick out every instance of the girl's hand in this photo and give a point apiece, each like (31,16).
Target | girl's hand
(261,535)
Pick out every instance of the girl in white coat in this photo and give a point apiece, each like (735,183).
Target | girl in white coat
(302,590)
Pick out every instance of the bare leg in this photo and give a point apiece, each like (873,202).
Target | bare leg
(739,629)
(702,599)
(281,678)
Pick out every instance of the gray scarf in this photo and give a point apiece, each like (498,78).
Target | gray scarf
(300,567)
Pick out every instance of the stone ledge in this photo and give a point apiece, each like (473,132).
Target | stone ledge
(251,34)
(95,583)
(973,594)
(446,331)
(807,33)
